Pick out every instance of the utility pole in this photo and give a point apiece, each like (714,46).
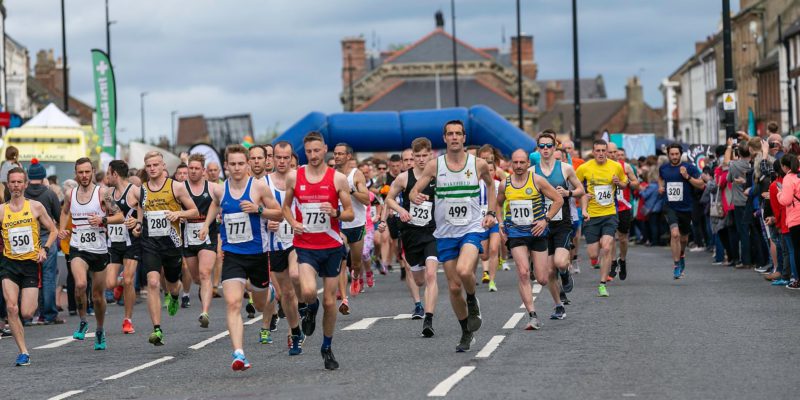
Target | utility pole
(141,101)
(730,85)
(65,75)
(577,80)
(455,57)
(519,71)
(108,33)
(172,121)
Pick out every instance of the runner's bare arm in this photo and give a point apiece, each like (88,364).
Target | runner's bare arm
(633,182)
(343,189)
(422,181)
(291,177)
(213,209)
(183,197)
(272,210)
(398,186)
(488,180)
(65,217)
(572,178)
(361,193)
(44,220)
(113,213)
(550,192)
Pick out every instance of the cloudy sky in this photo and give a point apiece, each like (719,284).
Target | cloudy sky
(280,59)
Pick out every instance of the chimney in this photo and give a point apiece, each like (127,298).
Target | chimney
(634,98)
(524,44)
(439,19)
(354,58)
(553,94)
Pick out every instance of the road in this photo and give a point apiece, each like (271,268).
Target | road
(716,334)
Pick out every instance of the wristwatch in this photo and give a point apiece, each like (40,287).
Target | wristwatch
(570,193)
(546,219)
(338,213)
(260,209)
(105,221)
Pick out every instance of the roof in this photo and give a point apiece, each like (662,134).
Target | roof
(591,88)
(420,93)
(41,95)
(51,117)
(437,46)
(192,130)
(594,114)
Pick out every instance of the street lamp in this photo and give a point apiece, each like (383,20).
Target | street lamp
(108,33)
(519,70)
(576,83)
(455,57)
(172,121)
(64,55)
(141,101)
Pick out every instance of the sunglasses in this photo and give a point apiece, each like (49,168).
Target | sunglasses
(382,168)
(546,145)
(773,145)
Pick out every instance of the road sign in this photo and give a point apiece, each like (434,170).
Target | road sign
(729,101)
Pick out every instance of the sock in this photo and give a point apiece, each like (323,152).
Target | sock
(156,327)
(418,304)
(463,323)
(83,319)
(593,261)
(326,342)
(532,314)
(313,307)
(603,283)
(296,331)
(186,294)
(470,297)
(428,315)
(560,305)
(99,331)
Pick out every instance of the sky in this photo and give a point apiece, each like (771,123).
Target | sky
(279,59)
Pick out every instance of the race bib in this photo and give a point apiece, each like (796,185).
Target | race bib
(116,233)
(285,232)
(549,203)
(675,191)
(314,220)
(602,194)
(86,237)
(157,223)
(21,239)
(193,234)
(484,210)
(421,213)
(238,228)
(521,212)
(373,213)
(457,211)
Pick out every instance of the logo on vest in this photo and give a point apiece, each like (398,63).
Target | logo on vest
(528,191)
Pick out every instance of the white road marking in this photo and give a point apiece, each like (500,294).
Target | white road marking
(363,324)
(58,342)
(319,291)
(402,316)
(254,320)
(537,288)
(514,320)
(490,347)
(533,299)
(210,340)
(66,394)
(139,368)
(444,386)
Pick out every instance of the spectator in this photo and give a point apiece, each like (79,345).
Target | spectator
(781,231)
(653,206)
(788,196)
(12,153)
(738,172)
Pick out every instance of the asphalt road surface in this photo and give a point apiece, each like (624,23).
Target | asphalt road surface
(716,334)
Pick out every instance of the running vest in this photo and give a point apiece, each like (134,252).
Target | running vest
(283,238)
(157,230)
(241,233)
(191,230)
(555,179)
(20,233)
(523,206)
(359,209)
(484,198)
(421,214)
(457,207)
(623,196)
(321,230)
(84,236)
(118,233)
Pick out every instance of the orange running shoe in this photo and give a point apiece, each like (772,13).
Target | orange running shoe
(127,327)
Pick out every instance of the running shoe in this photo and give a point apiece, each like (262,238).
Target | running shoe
(419,312)
(613,272)
(427,327)
(793,285)
(486,278)
(80,333)
(118,291)
(355,287)
(576,269)
(473,315)
(204,320)
(185,302)
(157,337)
(763,269)
(467,340)
(676,271)
(110,296)
(563,297)
(309,322)
(566,280)
(370,279)
(90,311)
(240,363)
(173,306)
(596,266)
(23,360)
(251,310)
(602,291)
(623,269)
(492,286)
(273,323)
(780,282)
(5,332)
(382,269)
(167,299)
(296,344)
(683,265)
(264,337)
(507,265)
(99,340)
(559,312)
(361,285)
(127,327)
(533,323)
(344,308)
(330,360)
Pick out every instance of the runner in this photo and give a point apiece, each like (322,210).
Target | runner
(416,236)
(572,157)
(459,225)
(491,238)
(181,175)
(675,179)
(161,204)
(91,209)
(242,201)
(123,248)
(601,178)
(562,177)
(354,230)
(21,264)
(199,255)
(317,189)
(624,212)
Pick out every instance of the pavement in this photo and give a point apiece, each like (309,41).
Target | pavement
(718,333)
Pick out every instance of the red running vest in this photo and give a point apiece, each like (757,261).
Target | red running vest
(306,193)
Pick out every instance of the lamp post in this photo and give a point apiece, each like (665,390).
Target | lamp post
(577,80)
(108,33)
(519,70)
(172,121)
(64,55)
(141,101)
(455,57)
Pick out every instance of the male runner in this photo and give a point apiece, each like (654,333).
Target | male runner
(491,237)
(675,179)
(572,157)
(259,159)
(161,204)
(242,201)
(601,178)
(624,212)
(459,226)
(416,236)
(21,264)
(181,175)
(123,247)
(354,230)
(389,245)
(316,190)
(199,255)
(91,209)
(562,177)
(522,199)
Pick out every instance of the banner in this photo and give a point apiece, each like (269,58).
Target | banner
(106,106)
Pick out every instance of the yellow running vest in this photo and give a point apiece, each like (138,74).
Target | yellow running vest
(20,233)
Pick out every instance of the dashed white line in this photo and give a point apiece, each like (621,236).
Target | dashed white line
(254,320)
(514,320)
(66,394)
(58,342)
(490,347)
(320,290)
(139,368)
(537,288)
(444,386)
(402,316)
(210,340)
(363,324)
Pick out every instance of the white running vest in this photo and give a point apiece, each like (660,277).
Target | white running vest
(359,209)
(84,236)
(284,237)
(458,209)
